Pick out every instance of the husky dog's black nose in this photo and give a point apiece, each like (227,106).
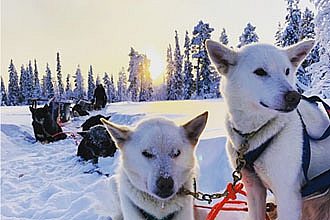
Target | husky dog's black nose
(292,99)
(164,187)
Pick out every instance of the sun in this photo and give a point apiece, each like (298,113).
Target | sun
(157,66)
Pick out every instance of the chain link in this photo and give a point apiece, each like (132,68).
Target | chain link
(236,175)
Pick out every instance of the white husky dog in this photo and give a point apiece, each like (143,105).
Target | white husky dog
(259,92)
(157,159)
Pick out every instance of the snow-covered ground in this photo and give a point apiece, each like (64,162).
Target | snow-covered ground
(46,181)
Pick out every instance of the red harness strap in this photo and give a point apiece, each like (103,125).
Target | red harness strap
(232,191)
(229,199)
(71,134)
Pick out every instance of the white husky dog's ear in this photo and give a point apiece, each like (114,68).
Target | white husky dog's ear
(299,51)
(221,56)
(194,128)
(119,134)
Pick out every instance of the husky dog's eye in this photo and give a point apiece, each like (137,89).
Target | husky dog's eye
(175,153)
(287,71)
(147,154)
(260,72)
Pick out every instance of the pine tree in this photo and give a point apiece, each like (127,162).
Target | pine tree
(201,33)
(188,77)
(112,91)
(145,80)
(68,88)
(134,77)
(307,30)
(49,86)
(4,100)
(13,89)
(36,84)
(248,36)
(223,37)
(44,93)
(307,25)
(108,87)
(292,31)
(59,76)
(320,71)
(177,76)
(278,35)
(22,85)
(169,75)
(78,91)
(29,83)
(122,86)
(91,85)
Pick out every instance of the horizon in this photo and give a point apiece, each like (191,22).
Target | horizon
(87,33)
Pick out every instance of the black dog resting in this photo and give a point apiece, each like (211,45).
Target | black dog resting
(78,110)
(44,126)
(92,121)
(96,143)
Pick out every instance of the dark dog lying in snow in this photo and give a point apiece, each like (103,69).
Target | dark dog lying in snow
(78,110)
(44,126)
(92,121)
(96,143)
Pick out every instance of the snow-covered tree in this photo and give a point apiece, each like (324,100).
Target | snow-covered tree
(109,87)
(122,86)
(278,35)
(22,84)
(320,71)
(145,80)
(3,98)
(60,86)
(201,33)
(223,37)
(292,32)
(78,91)
(177,84)
(307,32)
(307,25)
(68,88)
(133,71)
(188,77)
(214,83)
(43,87)
(169,74)
(49,86)
(13,89)
(27,81)
(248,36)
(91,85)
(159,92)
(36,84)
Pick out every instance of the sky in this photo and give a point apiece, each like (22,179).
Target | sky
(101,32)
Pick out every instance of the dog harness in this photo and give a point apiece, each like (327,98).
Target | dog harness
(315,186)
(321,183)
(148,216)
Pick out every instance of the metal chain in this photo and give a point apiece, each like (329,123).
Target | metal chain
(237,176)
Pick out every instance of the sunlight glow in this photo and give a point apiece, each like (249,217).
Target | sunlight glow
(157,66)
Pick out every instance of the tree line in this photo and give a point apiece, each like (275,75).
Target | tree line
(189,73)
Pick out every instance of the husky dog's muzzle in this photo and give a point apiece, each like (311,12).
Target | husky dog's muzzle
(292,99)
(290,102)
(165,187)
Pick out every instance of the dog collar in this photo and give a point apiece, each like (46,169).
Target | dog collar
(247,136)
(148,216)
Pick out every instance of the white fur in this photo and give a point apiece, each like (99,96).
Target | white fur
(135,179)
(279,168)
